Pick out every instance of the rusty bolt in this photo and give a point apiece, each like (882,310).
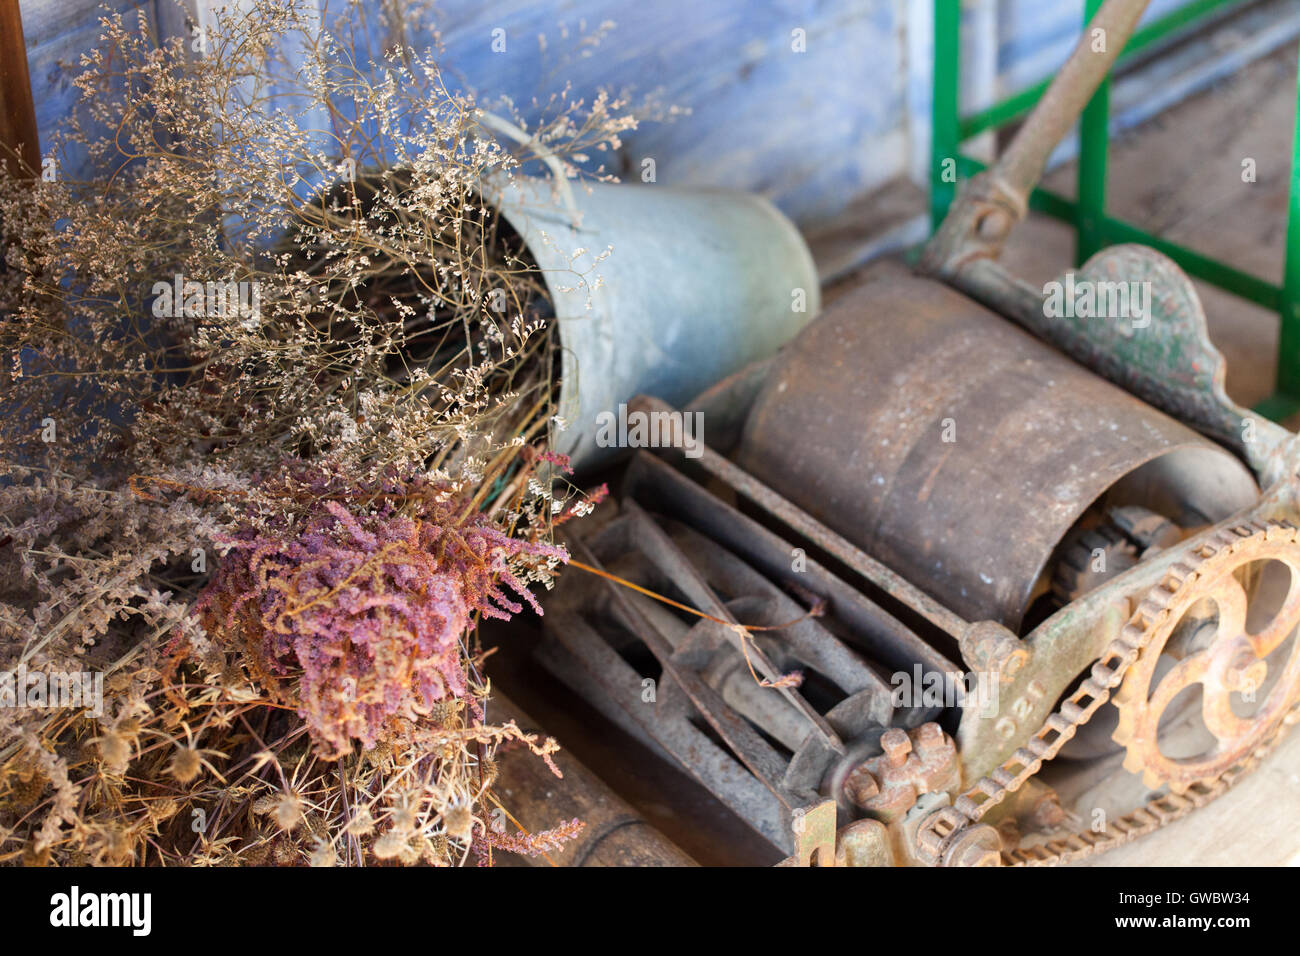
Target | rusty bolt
(988,646)
(896,745)
(1246,672)
(1047,812)
(977,845)
(860,787)
(978,856)
(929,737)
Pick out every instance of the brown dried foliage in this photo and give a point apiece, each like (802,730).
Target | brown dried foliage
(135,437)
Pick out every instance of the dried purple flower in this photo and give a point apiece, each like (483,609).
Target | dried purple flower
(364,602)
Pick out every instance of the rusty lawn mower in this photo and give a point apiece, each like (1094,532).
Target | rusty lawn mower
(1053,569)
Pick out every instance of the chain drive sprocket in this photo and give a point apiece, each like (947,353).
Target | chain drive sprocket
(942,828)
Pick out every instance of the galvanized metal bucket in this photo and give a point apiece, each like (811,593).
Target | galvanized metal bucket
(656,290)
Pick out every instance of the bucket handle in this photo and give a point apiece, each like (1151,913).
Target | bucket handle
(502,125)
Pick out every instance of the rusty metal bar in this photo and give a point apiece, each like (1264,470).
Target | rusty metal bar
(659,550)
(1022,163)
(615,833)
(878,632)
(581,656)
(1191,15)
(747,744)
(871,569)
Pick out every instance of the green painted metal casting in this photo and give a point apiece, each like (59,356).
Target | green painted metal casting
(1094,229)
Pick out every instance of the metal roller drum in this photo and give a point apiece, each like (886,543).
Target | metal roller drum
(960,450)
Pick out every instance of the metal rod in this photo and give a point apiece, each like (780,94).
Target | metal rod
(615,833)
(749,747)
(1019,104)
(1022,164)
(871,569)
(1094,145)
(1288,348)
(988,208)
(945,118)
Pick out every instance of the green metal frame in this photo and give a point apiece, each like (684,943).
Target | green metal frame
(1094,229)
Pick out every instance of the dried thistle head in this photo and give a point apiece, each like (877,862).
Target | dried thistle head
(115,748)
(361,824)
(323,854)
(112,844)
(288,811)
(186,764)
(116,743)
(394,844)
(458,821)
(189,760)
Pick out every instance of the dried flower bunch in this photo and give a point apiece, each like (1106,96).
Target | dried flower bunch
(275,405)
(367,603)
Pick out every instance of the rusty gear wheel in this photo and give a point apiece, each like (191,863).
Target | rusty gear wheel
(1228,621)
(1078,571)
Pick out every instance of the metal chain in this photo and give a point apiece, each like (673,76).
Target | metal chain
(936,832)
(1153,815)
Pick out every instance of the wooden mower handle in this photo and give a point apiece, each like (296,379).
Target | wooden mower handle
(990,205)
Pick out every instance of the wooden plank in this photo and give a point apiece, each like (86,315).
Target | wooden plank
(1250,825)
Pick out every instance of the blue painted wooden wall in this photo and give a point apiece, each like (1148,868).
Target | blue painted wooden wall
(812,130)
(1034,36)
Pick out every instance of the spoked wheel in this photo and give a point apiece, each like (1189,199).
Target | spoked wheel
(1221,669)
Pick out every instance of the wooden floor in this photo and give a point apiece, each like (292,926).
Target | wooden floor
(1253,824)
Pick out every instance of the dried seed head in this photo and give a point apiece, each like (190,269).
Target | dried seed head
(405,812)
(164,809)
(443,711)
(288,811)
(285,851)
(459,822)
(429,852)
(323,855)
(114,846)
(25,789)
(256,855)
(115,751)
(437,850)
(390,845)
(361,824)
(266,804)
(185,765)
(379,753)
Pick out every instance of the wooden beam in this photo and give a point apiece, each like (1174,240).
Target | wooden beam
(18,134)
